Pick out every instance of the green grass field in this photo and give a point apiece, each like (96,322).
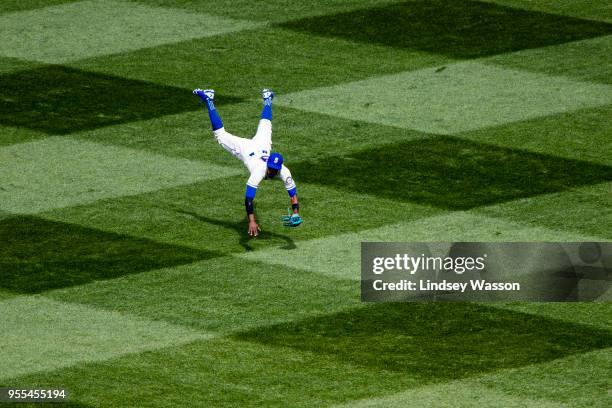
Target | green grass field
(127,276)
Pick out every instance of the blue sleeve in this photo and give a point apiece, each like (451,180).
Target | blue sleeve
(250,191)
(292,192)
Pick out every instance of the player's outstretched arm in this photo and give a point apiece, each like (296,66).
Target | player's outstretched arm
(250,210)
(253,226)
(293,219)
(295,204)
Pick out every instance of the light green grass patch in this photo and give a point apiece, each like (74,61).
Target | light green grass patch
(453,98)
(222,373)
(220,295)
(210,215)
(296,134)
(580,135)
(59,172)
(578,380)
(585,60)
(597,314)
(266,10)
(591,9)
(84,29)
(586,210)
(41,334)
(239,64)
(339,255)
(450,395)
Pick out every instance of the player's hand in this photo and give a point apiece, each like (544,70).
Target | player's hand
(253,229)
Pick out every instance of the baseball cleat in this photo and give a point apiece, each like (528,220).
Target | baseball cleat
(267,94)
(206,94)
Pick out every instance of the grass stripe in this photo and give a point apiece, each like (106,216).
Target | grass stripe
(580,135)
(8,65)
(41,334)
(296,134)
(210,214)
(453,98)
(580,380)
(587,210)
(575,381)
(61,172)
(450,173)
(169,336)
(596,314)
(68,100)
(8,6)
(67,32)
(249,374)
(460,29)
(453,394)
(585,60)
(268,56)
(265,10)
(6,294)
(339,256)
(221,295)
(410,338)
(13,135)
(591,9)
(222,373)
(38,255)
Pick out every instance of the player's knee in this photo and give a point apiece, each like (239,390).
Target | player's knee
(265,126)
(219,134)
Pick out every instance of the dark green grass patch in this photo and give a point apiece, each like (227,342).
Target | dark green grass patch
(460,29)
(585,210)
(11,64)
(298,135)
(210,215)
(591,9)
(241,64)
(451,173)
(227,373)
(8,6)
(434,341)
(579,380)
(587,60)
(221,295)
(37,254)
(59,100)
(67,404)
(222,373)
(582,134)
(265,10)
(11,135)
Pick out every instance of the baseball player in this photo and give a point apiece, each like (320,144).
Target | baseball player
(256,154)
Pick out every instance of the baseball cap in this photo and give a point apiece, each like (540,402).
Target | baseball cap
(275,161)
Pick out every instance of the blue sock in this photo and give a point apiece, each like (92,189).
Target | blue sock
(215,119)
(266,113)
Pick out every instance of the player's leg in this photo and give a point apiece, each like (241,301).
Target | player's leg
(263,137)
(233,144)
(208,96)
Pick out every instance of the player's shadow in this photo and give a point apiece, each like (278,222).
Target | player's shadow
(241,227)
